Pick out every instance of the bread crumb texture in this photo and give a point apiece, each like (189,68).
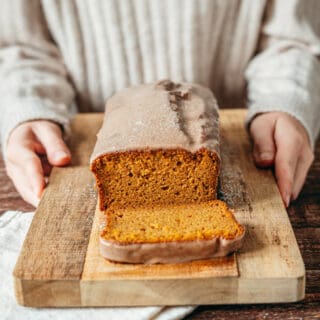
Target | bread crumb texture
(154,177)
(201,221)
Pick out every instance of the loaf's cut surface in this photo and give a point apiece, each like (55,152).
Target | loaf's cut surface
(170,234)
(159,144)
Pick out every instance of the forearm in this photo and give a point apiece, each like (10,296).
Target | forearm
(285,74)
(286,81)
(33,79)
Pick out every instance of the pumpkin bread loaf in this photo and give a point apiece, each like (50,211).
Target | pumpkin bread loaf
(156,163)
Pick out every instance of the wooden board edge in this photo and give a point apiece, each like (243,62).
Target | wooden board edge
(292,288)
(212,291)
(18,291)
(232,290)
(53,293)
(162,292)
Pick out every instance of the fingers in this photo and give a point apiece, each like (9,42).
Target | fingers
(262,132)
(49,134)
(21,182)
(288,152)
(282,140)
(303,167)
(285,168)
(25,169)
(32,149)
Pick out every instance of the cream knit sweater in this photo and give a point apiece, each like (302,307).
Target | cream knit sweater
(56,52)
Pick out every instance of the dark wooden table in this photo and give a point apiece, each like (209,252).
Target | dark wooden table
(305,218)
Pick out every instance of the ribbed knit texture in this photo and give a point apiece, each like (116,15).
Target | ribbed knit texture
(53,52)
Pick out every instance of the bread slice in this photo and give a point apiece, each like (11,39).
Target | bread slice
(170,234)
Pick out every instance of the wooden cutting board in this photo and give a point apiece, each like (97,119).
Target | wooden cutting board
(60,265)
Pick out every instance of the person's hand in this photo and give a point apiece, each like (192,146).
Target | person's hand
(32,149)
(281,141)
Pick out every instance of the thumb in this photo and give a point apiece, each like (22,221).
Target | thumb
(262,133)
(50,136)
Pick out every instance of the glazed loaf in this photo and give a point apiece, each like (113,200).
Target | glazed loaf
(159,144)
(156,163)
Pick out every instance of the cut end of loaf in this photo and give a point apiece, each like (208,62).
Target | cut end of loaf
(154,177)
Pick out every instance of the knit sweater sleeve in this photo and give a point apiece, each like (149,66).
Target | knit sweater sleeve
(33,78)
(285,74)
